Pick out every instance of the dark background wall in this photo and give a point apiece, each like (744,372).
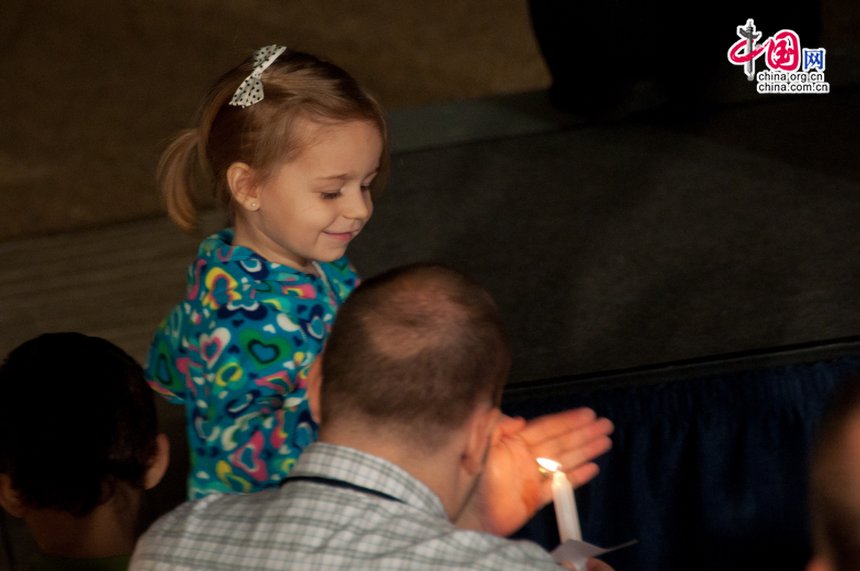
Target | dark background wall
(91,89)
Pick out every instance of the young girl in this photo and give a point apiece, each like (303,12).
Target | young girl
(295,150)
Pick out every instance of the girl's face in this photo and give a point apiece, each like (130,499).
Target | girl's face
(314,205)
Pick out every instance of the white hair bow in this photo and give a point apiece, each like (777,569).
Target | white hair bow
(250,91)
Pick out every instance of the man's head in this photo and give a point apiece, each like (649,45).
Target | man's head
(77,422)
(835,484)
(413,353)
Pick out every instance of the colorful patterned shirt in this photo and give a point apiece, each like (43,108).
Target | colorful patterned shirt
(236,354)
(340,509)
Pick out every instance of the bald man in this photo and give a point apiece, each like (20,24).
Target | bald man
(412,442)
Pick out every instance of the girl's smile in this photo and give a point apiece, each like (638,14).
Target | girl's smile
(342,236)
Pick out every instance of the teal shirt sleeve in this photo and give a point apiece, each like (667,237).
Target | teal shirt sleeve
(160,369)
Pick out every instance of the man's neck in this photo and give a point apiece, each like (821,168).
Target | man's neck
(438,470)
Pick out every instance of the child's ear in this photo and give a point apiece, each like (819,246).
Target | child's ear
(9,497)
(313,388)
(159,463)
(243,186)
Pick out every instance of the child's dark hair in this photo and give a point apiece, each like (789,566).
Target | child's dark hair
(76,419)
(296,85)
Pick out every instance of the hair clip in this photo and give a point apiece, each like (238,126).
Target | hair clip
(250,91)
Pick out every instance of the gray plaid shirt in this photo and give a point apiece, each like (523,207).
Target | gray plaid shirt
(366,514)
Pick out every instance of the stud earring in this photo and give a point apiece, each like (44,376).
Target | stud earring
(254,205)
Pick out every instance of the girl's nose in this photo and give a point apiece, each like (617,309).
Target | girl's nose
(357,205)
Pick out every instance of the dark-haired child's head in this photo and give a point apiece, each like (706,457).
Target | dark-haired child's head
(77,426)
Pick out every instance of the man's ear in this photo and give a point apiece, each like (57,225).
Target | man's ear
(481,426)
(9,497)
(159,464)
(244,186)
(313,388)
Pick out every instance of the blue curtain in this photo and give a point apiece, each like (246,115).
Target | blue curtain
(707,473)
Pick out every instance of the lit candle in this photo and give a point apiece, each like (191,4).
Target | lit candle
(564,500)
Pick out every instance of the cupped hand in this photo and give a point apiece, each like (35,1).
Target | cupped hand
(512,489)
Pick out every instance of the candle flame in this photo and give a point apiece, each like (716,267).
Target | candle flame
(548,464)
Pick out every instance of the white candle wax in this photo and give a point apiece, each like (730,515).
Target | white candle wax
(565,508)
(564,500)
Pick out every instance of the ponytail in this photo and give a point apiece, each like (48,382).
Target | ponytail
(178,173)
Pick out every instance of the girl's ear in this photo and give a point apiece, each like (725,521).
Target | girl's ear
(243,186)
(159,463)
(9,497)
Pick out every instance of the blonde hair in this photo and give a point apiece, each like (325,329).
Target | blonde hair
(297,85)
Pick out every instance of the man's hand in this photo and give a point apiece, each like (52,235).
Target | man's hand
(511,489)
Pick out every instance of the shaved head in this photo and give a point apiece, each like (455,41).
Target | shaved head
(415,349)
